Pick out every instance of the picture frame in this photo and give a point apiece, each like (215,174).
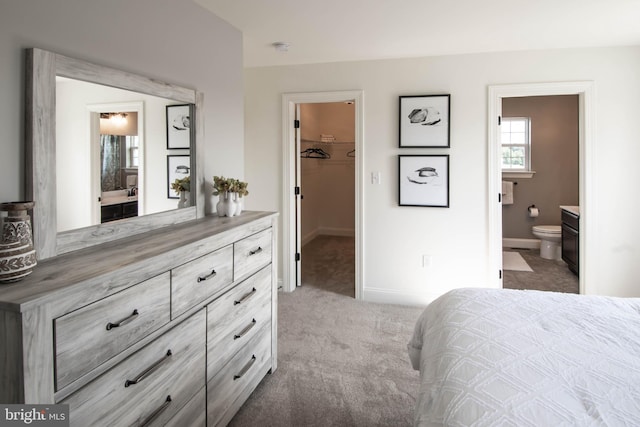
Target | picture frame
(423,180)
(424,121)
(179,120)
(178,166)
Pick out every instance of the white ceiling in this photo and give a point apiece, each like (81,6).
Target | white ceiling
(350,30)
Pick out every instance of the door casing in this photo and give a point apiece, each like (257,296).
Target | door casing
(586,135)
(290,154)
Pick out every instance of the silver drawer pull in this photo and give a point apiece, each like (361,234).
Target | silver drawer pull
(123,321)
(246,368)
(148,371)
(245,330)
(156,413)
(208,276)
(257,251)
(245,297)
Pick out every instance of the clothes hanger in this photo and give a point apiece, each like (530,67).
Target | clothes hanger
(314,153)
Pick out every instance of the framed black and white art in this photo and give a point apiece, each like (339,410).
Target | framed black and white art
(179,126)
(178,167)
(424,121)
(424,180)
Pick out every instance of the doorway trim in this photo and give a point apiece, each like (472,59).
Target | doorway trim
(289,102)
(94,111)
(586,140)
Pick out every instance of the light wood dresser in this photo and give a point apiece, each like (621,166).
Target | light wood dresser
(174,327)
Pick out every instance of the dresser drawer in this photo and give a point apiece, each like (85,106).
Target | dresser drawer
(197,280)
(149,387)
(87,337)
(233,384)
(193,414)
(234,318)
(251,253)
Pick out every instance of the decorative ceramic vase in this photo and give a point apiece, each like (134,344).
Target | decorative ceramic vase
(185,199)
(239,203)
(16,226)
(220,205)
(230,205)
(17,255)
(16,261)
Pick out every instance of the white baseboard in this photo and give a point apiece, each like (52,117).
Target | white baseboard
(520,243)
(328,231)
(334,231)
(386,296)
(309,237)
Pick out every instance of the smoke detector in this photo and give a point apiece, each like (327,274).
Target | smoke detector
(281,46)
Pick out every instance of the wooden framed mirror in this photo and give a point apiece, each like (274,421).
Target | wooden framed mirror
(43,68)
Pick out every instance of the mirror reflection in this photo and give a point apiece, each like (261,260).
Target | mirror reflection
(112,154)
(119,153)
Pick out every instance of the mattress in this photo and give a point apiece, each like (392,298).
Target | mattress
(498,357)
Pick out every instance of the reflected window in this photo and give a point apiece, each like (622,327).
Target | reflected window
(131,143)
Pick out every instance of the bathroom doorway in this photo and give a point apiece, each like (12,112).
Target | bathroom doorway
(540,173)
(584,93)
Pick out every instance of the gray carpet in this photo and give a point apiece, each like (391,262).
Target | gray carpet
(547,275)
(344,362)
(341,362)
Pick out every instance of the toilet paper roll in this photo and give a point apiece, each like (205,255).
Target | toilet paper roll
(534,212)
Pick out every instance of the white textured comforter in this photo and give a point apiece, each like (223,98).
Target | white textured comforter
(490,357)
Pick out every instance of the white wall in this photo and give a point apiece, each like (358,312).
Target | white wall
(73,153)
(395,238)
(173,41)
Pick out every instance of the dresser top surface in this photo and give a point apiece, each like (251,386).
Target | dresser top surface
(55,275)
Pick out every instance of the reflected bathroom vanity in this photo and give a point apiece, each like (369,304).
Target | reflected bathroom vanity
(166,319)
(571,237)
(118,204)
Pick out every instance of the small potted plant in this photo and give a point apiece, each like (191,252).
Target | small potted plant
(182,186)
(230,191)
(240,190)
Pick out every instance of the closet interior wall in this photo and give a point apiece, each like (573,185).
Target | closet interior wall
(328,185)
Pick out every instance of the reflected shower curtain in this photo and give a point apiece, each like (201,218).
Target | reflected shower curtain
(110,162)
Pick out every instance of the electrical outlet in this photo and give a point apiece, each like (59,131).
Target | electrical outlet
(426,261)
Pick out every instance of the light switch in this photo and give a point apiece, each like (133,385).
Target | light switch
(375,177)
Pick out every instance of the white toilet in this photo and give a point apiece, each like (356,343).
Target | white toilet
(550,237)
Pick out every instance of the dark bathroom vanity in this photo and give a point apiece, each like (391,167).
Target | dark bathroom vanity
(571,237)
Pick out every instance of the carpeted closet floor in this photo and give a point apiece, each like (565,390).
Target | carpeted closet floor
(341,362)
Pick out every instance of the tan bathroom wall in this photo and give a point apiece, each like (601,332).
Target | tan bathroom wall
(554,158)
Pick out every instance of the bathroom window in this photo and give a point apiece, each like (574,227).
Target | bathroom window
(132,151)
(515,137)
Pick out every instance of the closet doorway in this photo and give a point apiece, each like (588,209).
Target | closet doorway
(327,219)
(327,196)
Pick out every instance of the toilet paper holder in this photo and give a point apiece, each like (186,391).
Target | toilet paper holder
(533,211)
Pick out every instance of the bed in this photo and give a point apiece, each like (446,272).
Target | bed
(499,357)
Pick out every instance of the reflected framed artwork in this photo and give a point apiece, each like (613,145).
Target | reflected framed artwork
(178,167)
(425,121)
(424,180)
(179,126)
